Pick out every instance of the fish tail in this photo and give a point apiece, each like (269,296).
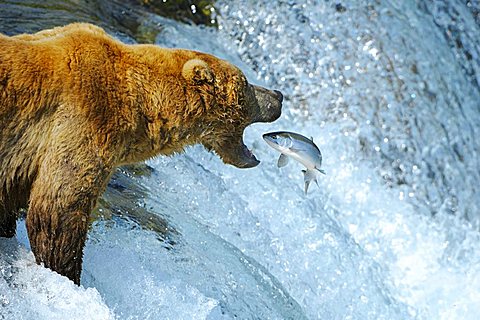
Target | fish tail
(309,176)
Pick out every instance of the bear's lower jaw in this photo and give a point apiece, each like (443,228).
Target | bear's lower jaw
(240,157)
(248,160)
(236,154)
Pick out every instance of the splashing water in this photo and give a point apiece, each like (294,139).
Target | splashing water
(390,94)
(393,104)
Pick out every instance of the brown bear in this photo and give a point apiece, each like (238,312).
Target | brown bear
(76,103)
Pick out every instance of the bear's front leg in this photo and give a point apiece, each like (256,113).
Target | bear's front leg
(61,200)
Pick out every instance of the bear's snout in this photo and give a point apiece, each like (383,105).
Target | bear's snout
(269,103)
(279,95)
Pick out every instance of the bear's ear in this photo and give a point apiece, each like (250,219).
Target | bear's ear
(197,71)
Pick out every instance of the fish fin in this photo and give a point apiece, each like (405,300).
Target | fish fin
(321,170)
(311,138)
(282,160)
(309,176)
(307,182)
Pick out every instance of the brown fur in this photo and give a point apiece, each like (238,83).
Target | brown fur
(76,103)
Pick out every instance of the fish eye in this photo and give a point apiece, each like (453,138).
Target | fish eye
(274,136)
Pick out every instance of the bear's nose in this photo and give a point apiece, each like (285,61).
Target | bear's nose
(279,95)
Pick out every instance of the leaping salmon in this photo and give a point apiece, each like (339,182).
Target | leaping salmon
(300,148)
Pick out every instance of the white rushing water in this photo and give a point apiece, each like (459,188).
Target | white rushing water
(390,94)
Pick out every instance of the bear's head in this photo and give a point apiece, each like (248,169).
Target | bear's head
(228,104)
